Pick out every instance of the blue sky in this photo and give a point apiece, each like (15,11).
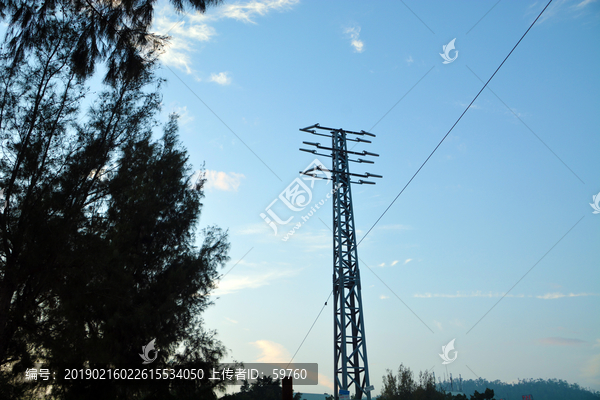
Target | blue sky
(493,244)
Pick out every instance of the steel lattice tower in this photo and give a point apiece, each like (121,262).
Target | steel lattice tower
(350,347)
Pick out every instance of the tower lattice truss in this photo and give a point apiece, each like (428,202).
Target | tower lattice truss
(350,346)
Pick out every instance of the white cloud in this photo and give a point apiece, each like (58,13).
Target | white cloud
(410,60)
(184,115)
(271,352)
(182,38)
(233,321)
(197,32)
(229,182)
(358,45)
(407,261)
(557,295)
(383,297)
(176,59)
(246,12)
(353,34)
(392,263)
(234,283)
(222,78)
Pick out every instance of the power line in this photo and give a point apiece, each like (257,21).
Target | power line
(450,130)
(422,165)
(313,324)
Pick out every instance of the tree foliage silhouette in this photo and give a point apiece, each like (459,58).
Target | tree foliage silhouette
(117,32)
(403,386)
(98,251)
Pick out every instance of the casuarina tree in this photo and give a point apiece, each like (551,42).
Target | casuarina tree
(99,247)
(117,32)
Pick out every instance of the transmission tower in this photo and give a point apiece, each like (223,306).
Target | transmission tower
(350,346)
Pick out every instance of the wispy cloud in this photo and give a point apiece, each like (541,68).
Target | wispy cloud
(562,8)
(222,78)
(395,227)
(459,295)
(259,228)
(354,33)
(247,12)
(382,265)
(410,60)
(383,297)
(309,239)
(407,261)
(235,283)
(557,295)
(583,4)
(561,341)
(187,31)
(549,296)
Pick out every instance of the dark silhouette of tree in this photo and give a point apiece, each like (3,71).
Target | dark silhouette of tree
(487,395)
(404,387)
(116,32)
(426,388)
(398,387)
(98,252)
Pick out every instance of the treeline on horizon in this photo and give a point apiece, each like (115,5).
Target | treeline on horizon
(406,385)
(551,389)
